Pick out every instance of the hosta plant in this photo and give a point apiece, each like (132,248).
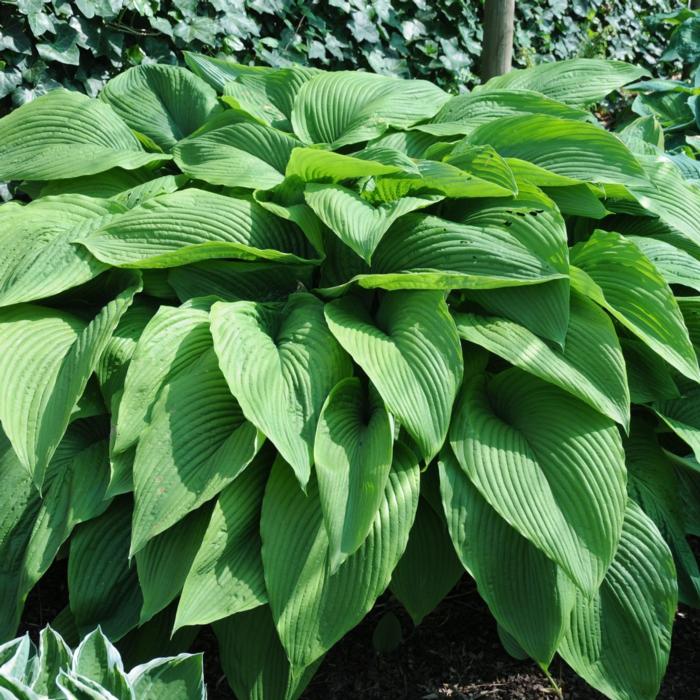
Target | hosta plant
(93,671)
(274,341)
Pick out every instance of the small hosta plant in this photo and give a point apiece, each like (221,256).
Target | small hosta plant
(94,671)
(274,341)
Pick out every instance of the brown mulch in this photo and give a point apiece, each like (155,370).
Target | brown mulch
(454,653)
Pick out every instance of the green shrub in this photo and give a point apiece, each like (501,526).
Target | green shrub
(264,355)
(81,43)
(94,670)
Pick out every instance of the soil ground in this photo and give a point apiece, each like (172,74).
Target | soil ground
(454,653)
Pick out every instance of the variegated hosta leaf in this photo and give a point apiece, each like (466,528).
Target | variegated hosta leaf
(529,595)
(313,607)
(347,107)
(226,576)
(615,274)
(579,82)
(164,103)
(536,454)
(590,366)
(40,257)
(280,361)
(636,601)
(65,134)
(193,225)
(49,356)
(410,351)
(352,452)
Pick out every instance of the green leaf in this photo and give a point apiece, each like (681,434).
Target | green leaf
(176,678)
(461,114)
(527,593)
(165,103)
(226,576)
(163,563)
(65,134)
(51,354)
(193,225)
(570,148)
(312,607)
(102,586)
(535,454)
(41,258)
(429,568)
(280,362)
(196,443)
(619,638)
(682,415)
(590,366)
(614,273)
(97,660)
(578,82)
(411,352)
(498,246)
(675,265)
(319,165)
(357,222)
(254,661)
(233,280)
(171,341)
(650,378)
(237,155)
(346,107)
(352,454)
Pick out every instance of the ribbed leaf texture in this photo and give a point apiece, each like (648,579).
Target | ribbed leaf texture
(278,342)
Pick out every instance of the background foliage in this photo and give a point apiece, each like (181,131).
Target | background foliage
(81,43)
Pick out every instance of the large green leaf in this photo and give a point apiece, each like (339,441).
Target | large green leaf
(675,264)
(193,225)
(165,103)
(579,82)
(226,576)
(241,154)
(254,661)
(357,222)
(172,340)
(347,107)
(49,356)
(65,134)
(656,487)
(320,165)
(619,638)
(40,257)
(102,586)
(682,415)
(312,607)
(196,443)
(463,113)
(614,273)
(574,149)
(590,366)
(280,362)
(352,452)
(410,350)
(527,593)
(496,247)
(429,568)
(536,454)
(164,561)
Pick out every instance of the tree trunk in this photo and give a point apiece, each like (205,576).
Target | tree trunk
(497,53)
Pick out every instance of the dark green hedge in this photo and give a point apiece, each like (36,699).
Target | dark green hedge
(80,43)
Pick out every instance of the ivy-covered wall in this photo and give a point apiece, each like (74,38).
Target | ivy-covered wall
(80,43)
